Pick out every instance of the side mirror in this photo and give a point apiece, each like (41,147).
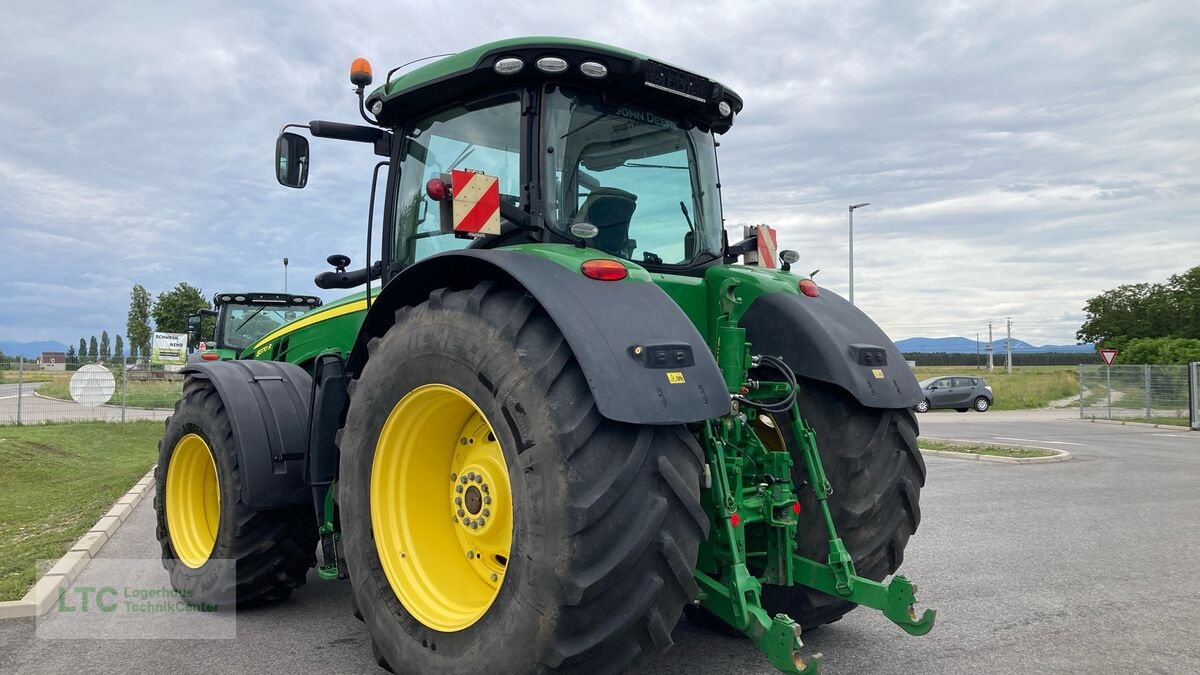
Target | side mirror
(291,160)
(193,329)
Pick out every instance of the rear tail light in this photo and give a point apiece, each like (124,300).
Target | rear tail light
(809,288)
(603,269)
(210,356)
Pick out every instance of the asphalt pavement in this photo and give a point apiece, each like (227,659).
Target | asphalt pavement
(1083,566)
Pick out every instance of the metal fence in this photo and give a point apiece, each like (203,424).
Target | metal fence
(1150,393)
(85,389)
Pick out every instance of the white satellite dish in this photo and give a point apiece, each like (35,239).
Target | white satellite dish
(92,385)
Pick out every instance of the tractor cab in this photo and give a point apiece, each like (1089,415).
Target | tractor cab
(542,140)
(237,320)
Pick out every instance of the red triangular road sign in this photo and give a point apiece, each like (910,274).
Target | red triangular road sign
(1108,355)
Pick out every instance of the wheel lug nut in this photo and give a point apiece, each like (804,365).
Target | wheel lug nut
(487,512)
(474,524)
(466,521)
(478,479)
(485,487)
(470,555)
(461,513)
(458,501)
(482,521)
(458,488)
(470,476)
(462,441)
(494,576)
(487,500)
(464,480)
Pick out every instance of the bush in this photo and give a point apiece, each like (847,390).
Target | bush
(1160,351)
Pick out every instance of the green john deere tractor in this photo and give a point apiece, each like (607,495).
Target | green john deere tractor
(566,412)
(238,320)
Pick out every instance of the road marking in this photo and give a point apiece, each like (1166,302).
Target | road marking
(1174,435)
(8,397)
(1036,440)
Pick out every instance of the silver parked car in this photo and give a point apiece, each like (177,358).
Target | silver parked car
(957,391)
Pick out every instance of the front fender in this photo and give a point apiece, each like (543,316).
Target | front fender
(267,403)
(827,339)
(604,322)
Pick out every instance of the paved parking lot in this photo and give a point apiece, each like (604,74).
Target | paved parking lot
(1077,567)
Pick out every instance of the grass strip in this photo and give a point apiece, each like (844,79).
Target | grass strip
(58,480)
(983,449)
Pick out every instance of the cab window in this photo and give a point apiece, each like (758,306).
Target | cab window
(485,139)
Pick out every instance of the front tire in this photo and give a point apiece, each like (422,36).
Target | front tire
(982,404)
(205,529)
(871,458)
(605,517)
(922,407)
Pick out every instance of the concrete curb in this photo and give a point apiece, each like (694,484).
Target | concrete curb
(1058,456)
(45,592)
(1148,425)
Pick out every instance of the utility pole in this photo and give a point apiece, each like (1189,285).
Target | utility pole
(989,347)
(852,207)
(1008,348)
(285,261)
(976,350)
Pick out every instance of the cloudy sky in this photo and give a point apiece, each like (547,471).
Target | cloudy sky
(1018,157)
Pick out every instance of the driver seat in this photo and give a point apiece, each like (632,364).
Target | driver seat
(610,210)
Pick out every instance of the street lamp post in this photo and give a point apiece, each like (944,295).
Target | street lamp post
(852,207)
(285,261)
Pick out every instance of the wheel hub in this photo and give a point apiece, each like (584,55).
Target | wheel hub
(193,501)
(437,451)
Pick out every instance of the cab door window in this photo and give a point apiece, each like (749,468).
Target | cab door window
(484,139)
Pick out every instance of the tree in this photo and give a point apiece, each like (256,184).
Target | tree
(105,348)
(172,308)
(137,325)
(70,354)
(93,351)
(82,349)
(119,349)
(1160,351)
(1131,311)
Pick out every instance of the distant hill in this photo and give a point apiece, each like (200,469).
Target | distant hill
(30,350)
(962,345)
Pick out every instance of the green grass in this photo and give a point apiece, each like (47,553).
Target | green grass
(1028,386)
(58,480)
(10,376)
(973,449)
(138,394)
(1173,421)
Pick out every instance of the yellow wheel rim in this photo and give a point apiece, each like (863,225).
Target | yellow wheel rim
(441,507)
(193,501)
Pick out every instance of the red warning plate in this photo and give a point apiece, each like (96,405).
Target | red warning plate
(476,202)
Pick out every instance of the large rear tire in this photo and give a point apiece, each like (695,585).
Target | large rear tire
(203,524)
(872,461)
(605,517)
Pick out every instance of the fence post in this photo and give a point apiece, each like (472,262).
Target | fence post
(1147,368)
(20,382)
(1081,391)
(122,389)
(1194,395)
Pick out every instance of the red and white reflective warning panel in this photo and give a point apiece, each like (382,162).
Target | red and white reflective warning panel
(1108,355)
(768,246)
(476,202)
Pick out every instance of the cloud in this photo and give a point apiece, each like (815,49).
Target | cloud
(1018,158)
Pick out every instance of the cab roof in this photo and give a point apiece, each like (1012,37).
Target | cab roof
(460,76)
